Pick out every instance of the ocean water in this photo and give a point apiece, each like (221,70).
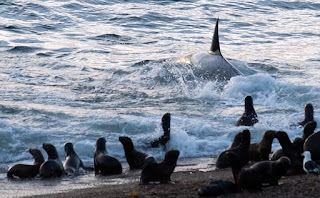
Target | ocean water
(73,71)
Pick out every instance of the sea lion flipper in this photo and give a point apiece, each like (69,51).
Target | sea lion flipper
(86,168)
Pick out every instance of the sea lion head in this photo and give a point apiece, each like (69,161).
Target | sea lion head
(236,141)
(248,102)
(37,155)
(171,157)
(283,139)
(284,163)
(51,150)
(308,114)
(270,134)
(165,122)
(68,148)
(127,143)
(101,144)
(309,129)
(248,105)
(308,110)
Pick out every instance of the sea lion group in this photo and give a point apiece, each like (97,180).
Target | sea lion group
(298,157)
(252,164)
(104,164)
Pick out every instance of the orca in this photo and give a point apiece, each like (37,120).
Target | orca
(210,65)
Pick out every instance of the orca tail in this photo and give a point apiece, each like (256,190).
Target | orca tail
(215,46)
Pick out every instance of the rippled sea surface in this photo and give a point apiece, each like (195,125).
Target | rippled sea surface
(77,70)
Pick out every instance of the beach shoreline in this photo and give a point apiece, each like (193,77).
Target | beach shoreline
(186,184)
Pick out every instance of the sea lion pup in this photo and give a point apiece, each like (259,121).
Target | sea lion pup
(165,123)
(217,188)
(292,151)
(242,150)
(308,114)
(260,151)
(105,164)
(73,162)
(264,172)
(53,166)
(135,159)
(25,170)
(160,171)
(309,166)
(249,116)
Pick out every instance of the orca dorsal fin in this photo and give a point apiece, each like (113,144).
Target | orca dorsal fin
(215,46)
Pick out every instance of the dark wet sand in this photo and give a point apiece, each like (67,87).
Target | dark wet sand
(187,183)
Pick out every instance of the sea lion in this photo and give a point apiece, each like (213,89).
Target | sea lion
(217,188)
(105,164)
(292,151)
(73,162)
(312,144)
(242,150)
(298,141)
(249,116)
(309,166)
(260,151)
(308,114)
(211,65)
(308,129)
(165,123)
(298,144)
(25,170)
(135,159)
(264,172)
(53,166)
(236,141)
(160,171)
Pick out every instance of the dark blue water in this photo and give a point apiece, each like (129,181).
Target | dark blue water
(77,70)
